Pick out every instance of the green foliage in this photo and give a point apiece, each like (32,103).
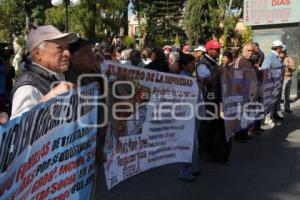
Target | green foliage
(204,17)
(111,14)
(247,35)
(90,19)
(15,12)
(163,19)
(38,15)
(128,41)
(230,35)
(160,41)
(97,20)
(80,17)
(177,41)
(202,20)
(12,19)
(55,16)
(21,41)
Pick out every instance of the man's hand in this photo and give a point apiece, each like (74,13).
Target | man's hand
(3,117)
(62,87)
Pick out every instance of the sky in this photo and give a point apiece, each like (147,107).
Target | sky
(130,10)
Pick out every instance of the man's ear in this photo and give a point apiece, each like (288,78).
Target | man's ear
(36,54)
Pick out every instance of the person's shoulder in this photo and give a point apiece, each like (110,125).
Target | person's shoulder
(269,55)
(25,75)
(27,89)
(203,62)
(202,66)
(261,52)
(240,62)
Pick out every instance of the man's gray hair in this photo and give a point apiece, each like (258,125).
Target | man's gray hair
(42,45)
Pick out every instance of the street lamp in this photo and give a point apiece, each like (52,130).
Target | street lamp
(66,3)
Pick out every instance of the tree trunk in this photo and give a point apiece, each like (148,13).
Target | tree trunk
(125,19)
(28,23)
(91,32)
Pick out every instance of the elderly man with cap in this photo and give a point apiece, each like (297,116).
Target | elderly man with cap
(214,144)
(50,59)
(273,61)
(199,53)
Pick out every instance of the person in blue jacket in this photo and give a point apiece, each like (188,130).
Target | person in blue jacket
(273,61)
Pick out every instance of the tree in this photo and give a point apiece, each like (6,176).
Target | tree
(112,15)
(92,19)
(12,20)
(163,18)
(202,19)
(17,16)
(207,19)
(231,38)
(35,11)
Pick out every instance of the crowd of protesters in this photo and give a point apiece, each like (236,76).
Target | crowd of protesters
(55,57)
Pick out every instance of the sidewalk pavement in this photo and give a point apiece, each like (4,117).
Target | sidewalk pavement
(265,168)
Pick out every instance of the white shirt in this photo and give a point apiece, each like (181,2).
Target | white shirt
(147,61)
(275,52)
(27,96)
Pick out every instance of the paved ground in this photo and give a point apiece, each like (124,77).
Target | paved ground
(266,168)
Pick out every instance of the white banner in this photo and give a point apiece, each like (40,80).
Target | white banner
(162,122)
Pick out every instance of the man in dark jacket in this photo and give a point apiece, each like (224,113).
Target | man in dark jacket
(212,138)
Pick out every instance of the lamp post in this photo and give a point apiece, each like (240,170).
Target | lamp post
(66,3)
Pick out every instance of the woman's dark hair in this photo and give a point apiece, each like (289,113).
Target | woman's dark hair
(160,63)
(80,43)
(229,55)
(185,59)
(159,52)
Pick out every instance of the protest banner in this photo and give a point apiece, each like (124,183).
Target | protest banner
(49,151)
(268,88)
(272,86)
(239,97)
(160,130)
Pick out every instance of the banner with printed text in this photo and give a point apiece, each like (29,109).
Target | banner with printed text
(49,151)
(239,96)
(272,86)
(151,120)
